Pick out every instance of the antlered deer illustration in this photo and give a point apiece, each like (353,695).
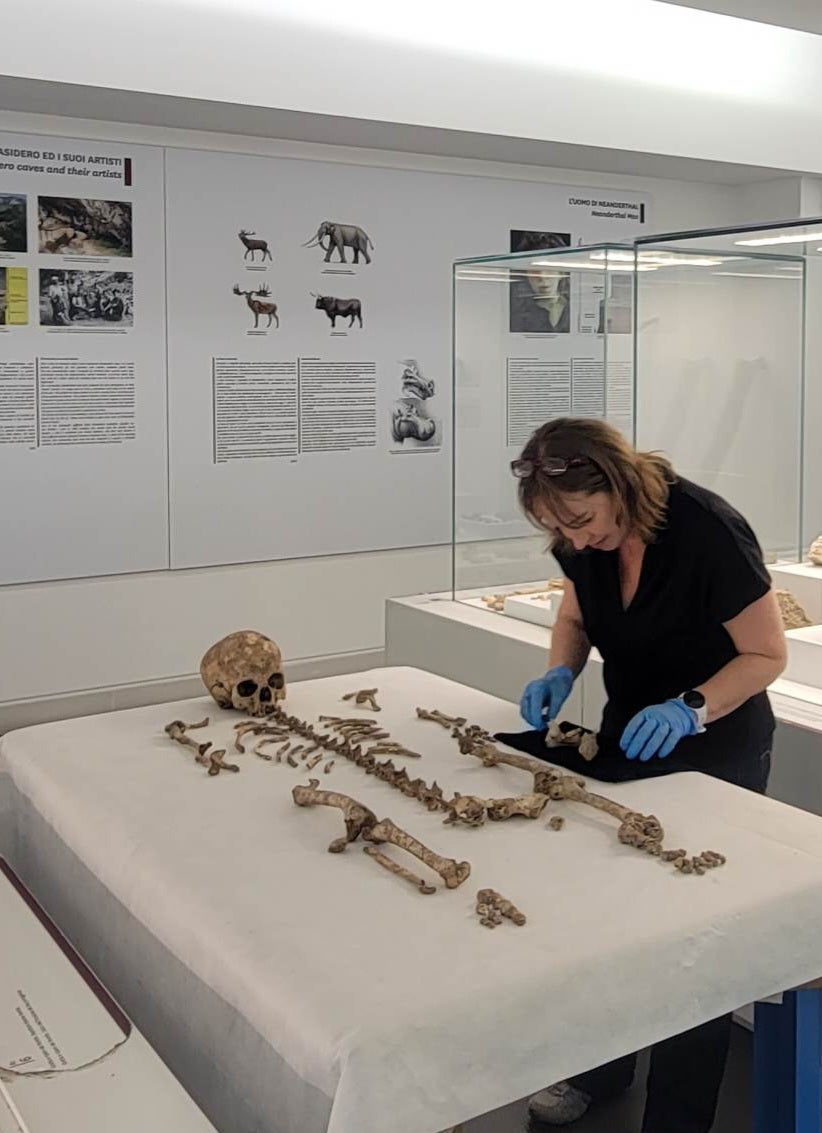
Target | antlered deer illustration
(259,305)
(254,246)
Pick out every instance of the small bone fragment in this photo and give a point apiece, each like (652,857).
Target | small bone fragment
(399,870)
(199,724)
(216,763)
(313,761)
(292,762)
(440,718)
(258,750)
(328,766)
(488,899)
(365,697)
(557,822)
(580,738)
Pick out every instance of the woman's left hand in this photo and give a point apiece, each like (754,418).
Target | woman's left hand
(656,731)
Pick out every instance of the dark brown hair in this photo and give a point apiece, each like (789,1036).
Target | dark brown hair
(638,481)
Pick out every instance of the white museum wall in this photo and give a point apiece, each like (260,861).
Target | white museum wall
(132,630)
(719,88)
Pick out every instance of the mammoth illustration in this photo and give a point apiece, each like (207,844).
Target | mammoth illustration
(341,236)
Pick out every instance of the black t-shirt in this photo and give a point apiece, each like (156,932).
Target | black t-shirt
(703,568)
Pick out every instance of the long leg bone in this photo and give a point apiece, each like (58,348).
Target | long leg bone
(360,821)
(452,872)
(399,870)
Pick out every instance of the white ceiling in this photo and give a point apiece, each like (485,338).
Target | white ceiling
(804,15)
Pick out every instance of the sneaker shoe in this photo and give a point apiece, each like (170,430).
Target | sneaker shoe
(561,1104)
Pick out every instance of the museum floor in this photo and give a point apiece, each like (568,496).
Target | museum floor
(625,1115)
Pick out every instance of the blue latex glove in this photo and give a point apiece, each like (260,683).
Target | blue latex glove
(543,698)
(656,731)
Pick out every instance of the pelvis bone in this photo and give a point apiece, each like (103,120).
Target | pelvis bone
(245,671)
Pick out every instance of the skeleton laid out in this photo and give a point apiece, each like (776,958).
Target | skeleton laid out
(644,831)
(362,822)
(245,671)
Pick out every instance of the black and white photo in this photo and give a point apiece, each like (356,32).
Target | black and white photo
(86,298)
(540,295)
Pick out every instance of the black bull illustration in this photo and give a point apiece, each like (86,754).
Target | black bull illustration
(339,308)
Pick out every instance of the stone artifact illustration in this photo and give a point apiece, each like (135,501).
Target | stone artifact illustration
(793,616)
(258,303)
(254,246)
(365,697)
(245,671)
(331,236)
(205,755)
(362,822)
(410,417)
(815,553)
(350,309)
(493,908)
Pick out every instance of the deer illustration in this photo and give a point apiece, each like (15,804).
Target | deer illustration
(260,306)
(253,246)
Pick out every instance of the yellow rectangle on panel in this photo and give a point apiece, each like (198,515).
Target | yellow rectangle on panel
(17,297)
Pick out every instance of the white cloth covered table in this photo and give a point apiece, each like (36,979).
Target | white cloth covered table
(293,991)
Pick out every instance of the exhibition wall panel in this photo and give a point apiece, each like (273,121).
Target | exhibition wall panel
(66,636)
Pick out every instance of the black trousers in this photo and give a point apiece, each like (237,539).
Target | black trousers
(686,1070)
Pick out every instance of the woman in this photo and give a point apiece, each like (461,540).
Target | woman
(667,580)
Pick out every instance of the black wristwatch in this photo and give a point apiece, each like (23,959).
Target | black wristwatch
(696,701)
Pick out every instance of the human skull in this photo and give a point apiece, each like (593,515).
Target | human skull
(245,671)
(816,551)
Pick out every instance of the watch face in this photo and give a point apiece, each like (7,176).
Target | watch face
(694,699)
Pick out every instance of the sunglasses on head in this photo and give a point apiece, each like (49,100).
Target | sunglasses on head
(549,465)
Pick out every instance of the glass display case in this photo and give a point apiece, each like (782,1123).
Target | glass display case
(694,343)
(537,335)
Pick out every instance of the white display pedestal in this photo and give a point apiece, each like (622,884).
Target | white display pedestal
(499,655)
(69,1059)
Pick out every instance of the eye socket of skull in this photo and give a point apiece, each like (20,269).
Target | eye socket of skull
(246,688)
(276,680)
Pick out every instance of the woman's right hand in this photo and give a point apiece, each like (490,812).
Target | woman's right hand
(543,698)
